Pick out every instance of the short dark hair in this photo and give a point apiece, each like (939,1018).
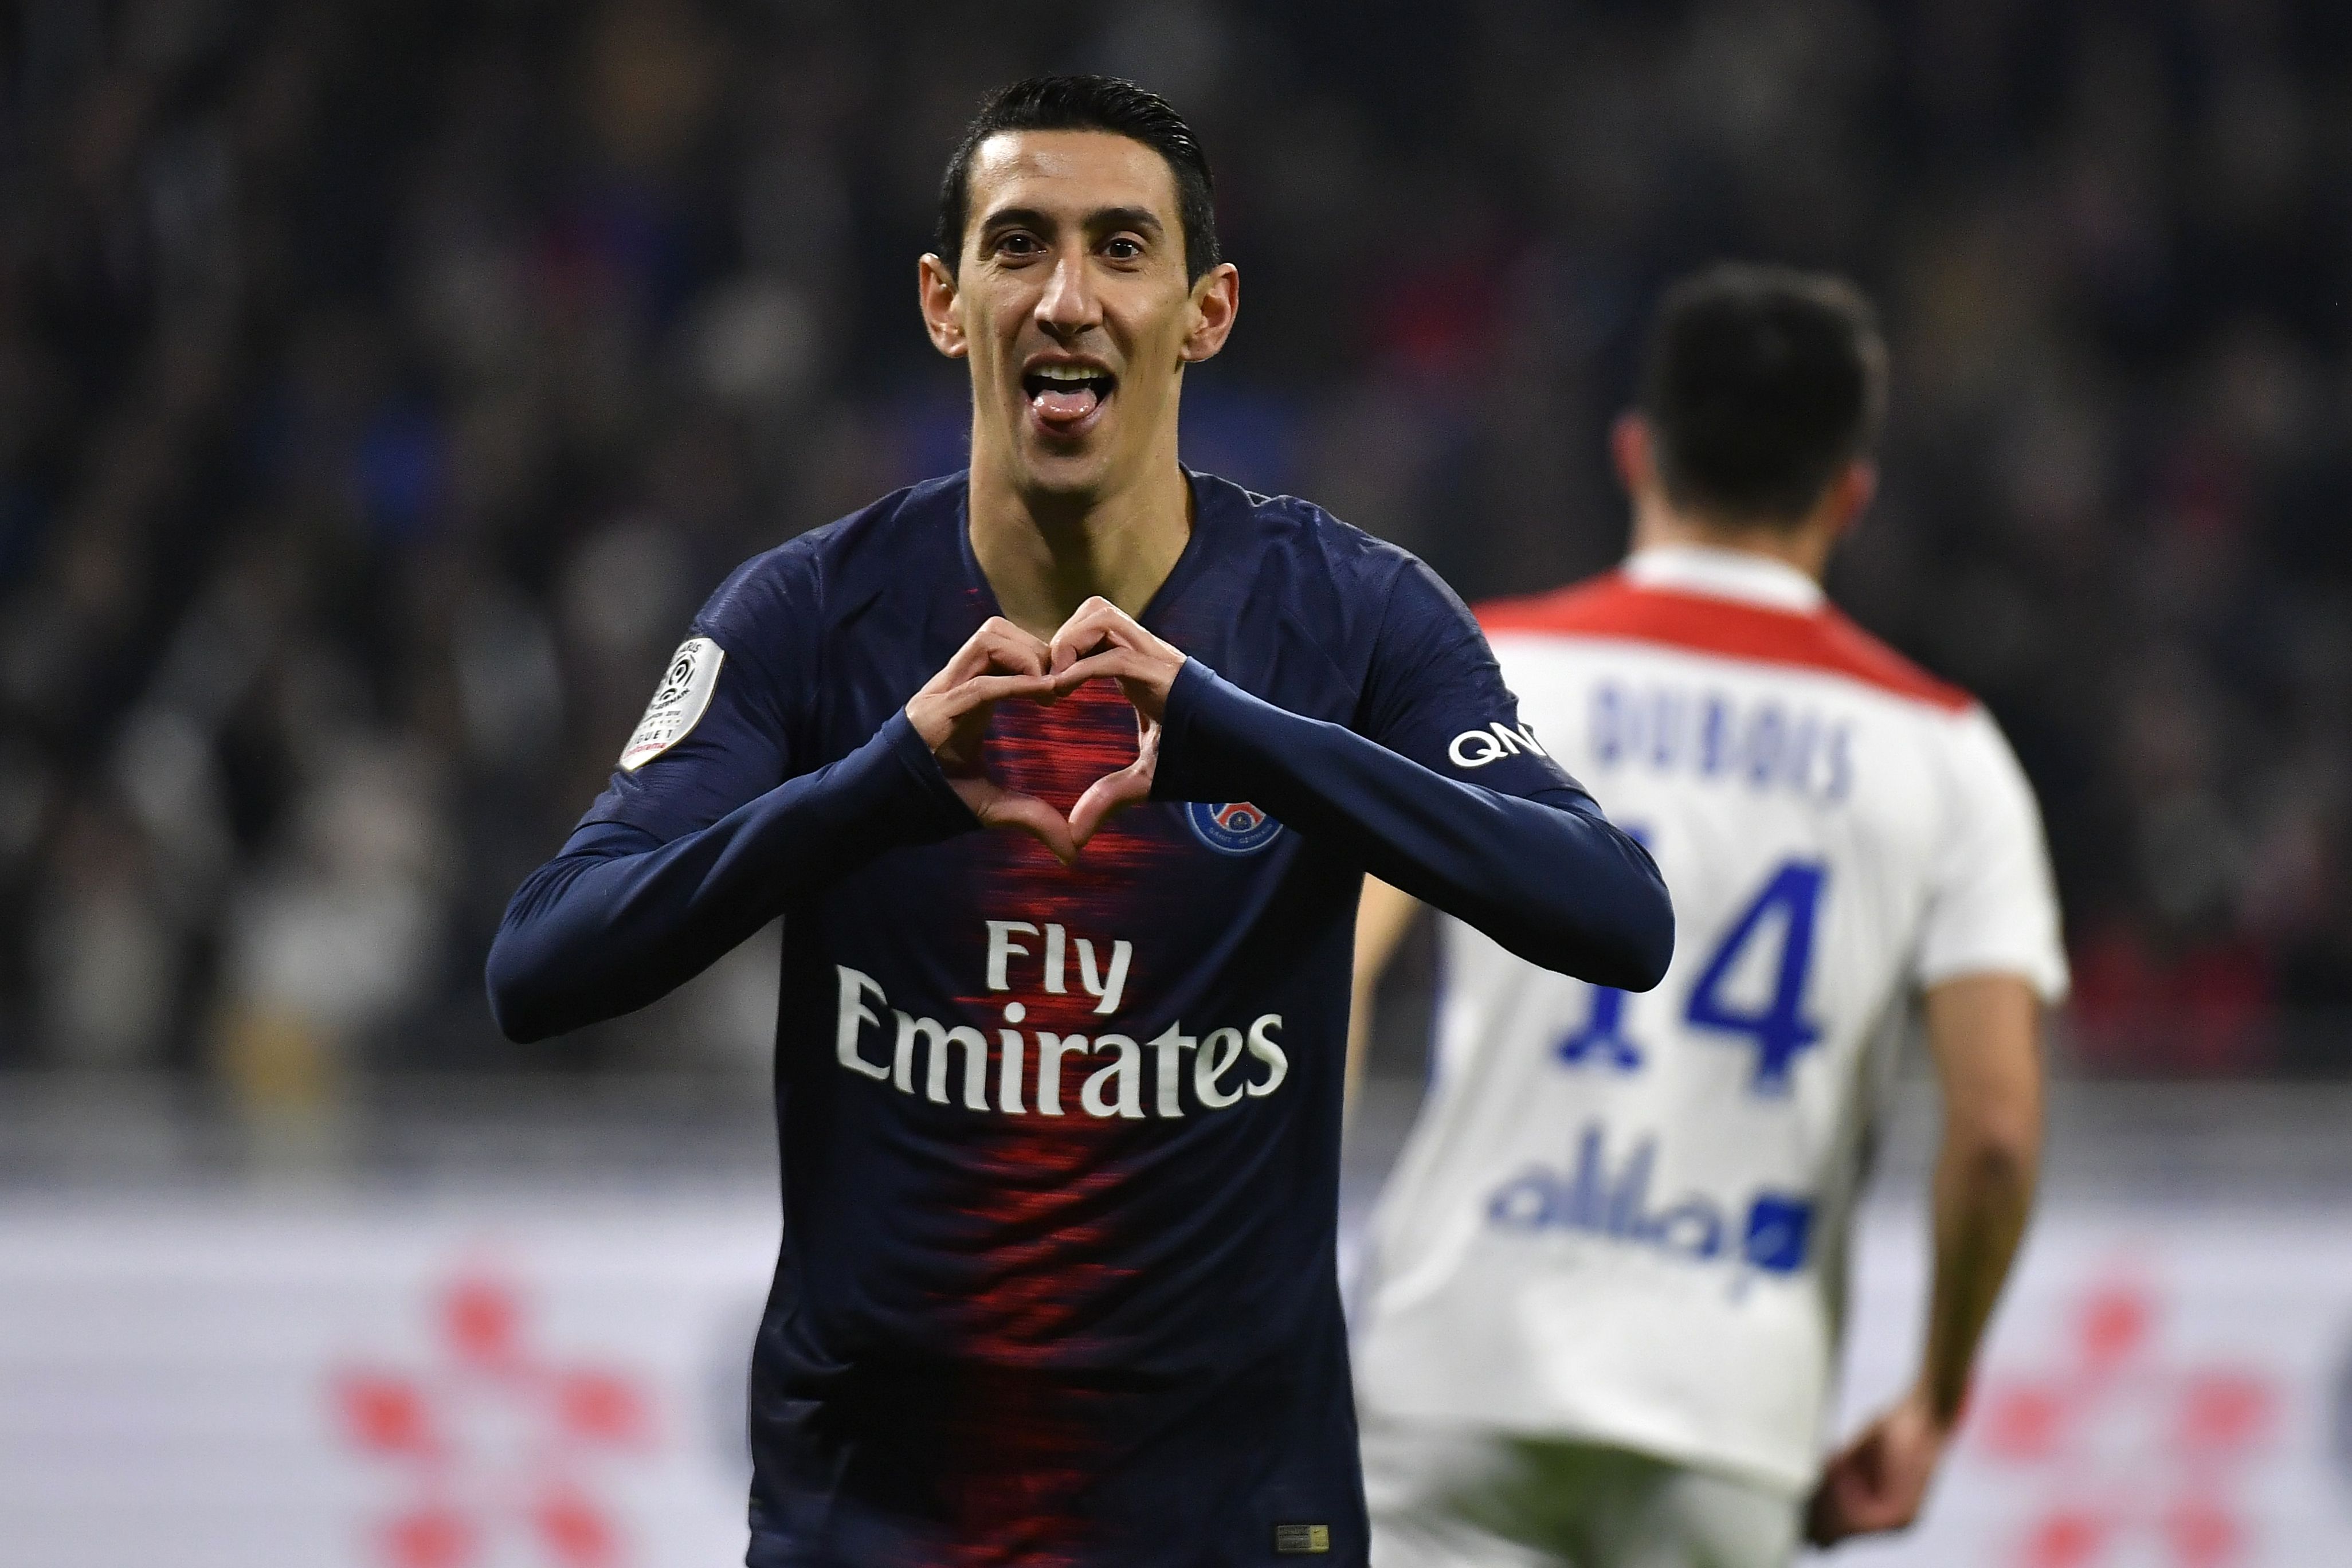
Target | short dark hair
(1086,103)
(1761,385)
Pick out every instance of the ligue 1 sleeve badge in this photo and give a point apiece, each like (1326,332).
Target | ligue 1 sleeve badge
(678,702)
(1232,827)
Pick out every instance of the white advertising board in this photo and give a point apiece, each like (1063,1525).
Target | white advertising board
(556,1381)
(549,1383)
(2165,1388)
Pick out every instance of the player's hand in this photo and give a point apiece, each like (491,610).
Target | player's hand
(952,713)
(1880,1480)
(1113,792)
(1103,640)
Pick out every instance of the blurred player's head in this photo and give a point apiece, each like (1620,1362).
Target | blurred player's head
(1075,266)
(1763,391)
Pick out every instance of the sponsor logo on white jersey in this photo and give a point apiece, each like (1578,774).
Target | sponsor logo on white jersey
(1775,1233)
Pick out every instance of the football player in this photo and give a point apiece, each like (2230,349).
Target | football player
(1602,1312)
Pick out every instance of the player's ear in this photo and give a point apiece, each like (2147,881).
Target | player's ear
(1633,453)
(1217,300)
(1854,489)
(935,292)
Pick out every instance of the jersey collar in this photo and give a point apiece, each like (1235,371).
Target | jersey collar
(1724,574)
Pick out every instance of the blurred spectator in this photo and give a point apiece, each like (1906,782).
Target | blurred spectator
(382,387)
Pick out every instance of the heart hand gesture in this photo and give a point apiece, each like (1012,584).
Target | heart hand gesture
(1101,641)
(952,713)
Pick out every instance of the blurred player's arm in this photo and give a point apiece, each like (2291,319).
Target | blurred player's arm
(1984,1032)
(626,913)
(1990,956)
(1382,915)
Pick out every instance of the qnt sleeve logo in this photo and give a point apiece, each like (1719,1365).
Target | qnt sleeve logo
(1477,748)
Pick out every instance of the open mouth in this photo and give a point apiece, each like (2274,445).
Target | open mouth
(1065,397)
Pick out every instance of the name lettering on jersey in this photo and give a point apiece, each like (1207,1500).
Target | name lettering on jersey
(1477,748)
(1030,1074)
(1775,1234)
(1765,745)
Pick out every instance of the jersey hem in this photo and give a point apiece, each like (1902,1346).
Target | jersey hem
(1748,1470)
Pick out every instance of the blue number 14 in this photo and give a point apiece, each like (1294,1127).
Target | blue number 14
(1780,1029)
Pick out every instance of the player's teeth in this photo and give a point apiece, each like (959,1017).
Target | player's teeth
(1068,372)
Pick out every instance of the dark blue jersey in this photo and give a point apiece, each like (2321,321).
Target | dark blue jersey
(1060,1145)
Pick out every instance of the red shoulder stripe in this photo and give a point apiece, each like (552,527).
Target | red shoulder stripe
(1610,606)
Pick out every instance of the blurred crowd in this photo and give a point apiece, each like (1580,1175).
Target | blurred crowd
(383,383)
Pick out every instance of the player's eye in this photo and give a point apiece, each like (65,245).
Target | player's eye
(1123,247)
(1017,242)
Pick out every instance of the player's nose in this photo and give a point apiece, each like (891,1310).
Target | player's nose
(1069,304)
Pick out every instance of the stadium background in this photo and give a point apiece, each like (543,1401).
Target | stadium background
(382,384)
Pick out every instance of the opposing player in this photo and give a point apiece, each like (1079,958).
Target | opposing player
(1060,1105)
(1604,1308)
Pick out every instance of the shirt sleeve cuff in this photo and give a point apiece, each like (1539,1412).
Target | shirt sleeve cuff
(927,806)
(1195,685)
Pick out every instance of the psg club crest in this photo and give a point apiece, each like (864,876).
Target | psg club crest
(1232,827)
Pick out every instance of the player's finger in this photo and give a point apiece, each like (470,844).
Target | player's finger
(1108,795)
(986,690)
(1035,818)
(1076,640)
(1011,649)
(998,645)
(1092,625)
(995,807)
(957,716)
(1143,677)
(1117,663)
(967,661)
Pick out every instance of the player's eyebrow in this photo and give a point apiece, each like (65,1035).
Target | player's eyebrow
(1102,220)
(1109,220)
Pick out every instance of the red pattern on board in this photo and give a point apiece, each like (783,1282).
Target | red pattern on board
(448,1428)
(2143,1457)
(1612,605)
(386,1415)
(430,1537)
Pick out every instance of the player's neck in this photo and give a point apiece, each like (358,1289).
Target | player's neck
(1045,555)
(1805,545)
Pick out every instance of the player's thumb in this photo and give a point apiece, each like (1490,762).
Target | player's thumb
(1034,816)
(1107,796)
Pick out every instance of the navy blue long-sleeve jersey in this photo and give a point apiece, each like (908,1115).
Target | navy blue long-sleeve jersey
(1057,1283)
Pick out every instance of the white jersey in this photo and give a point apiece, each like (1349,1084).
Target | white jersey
(1621,1219)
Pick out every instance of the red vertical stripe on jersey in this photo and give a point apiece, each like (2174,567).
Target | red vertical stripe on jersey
(1045,1188)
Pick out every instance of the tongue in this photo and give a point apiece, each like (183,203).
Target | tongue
(1065,405)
